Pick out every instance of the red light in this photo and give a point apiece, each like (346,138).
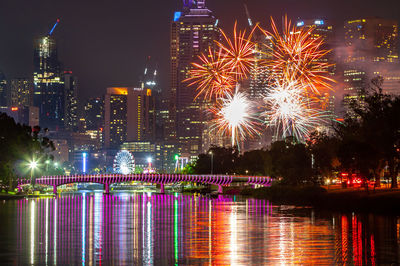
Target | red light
(14,109)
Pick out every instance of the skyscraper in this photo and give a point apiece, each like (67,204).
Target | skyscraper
(193,31)
(21,90)
(324,30)
(48,85)
(70,101)
(3,90)
(128,116)
(259,74)
(371,49)
(94,113)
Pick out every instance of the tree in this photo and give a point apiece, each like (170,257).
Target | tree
(291,161)
(324,153)
(223,160)
(369,138)
(18,143)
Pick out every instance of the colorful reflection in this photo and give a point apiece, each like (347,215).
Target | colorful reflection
(152,229)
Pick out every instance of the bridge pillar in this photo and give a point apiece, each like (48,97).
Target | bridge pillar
(107,188)
(220,189)
(162,188)
(55,190)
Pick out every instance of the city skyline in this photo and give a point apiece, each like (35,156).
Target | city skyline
(115,32)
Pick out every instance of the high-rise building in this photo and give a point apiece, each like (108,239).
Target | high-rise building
(193,31)
(259,74)
(48,85)
(70,101)
(3,90)
(128,116)
(324,30)
(21,90)
(94,113)
(371,49)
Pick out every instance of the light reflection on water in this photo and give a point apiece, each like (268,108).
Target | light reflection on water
(158,229)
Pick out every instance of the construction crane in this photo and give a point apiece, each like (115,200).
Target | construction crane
(55,25)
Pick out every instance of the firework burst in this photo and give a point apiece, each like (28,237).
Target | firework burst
(297,54)
(239,52)
(212,75)
(235,117)
(291,112)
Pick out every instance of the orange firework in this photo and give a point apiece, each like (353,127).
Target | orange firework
(239,52)
(212,76)
(218,72)
(297,54)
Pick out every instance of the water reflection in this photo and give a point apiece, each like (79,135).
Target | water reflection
(152,229)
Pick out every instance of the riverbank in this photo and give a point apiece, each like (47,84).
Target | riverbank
(10,195)
(360,200)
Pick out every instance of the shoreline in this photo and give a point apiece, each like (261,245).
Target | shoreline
(379,201)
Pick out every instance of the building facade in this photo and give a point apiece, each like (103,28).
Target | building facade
(193,31)
(3,90)
(371,50)
(128,116)
(94,113)
(21,92)
(70,101)
(48,85)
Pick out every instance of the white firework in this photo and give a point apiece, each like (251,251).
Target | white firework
(124,163)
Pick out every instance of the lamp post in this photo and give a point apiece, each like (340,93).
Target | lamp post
(47,166)
(212,161)
(32,165)
(149,160)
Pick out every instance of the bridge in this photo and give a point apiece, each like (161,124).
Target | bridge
(161,179)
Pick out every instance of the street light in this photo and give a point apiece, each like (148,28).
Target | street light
(33,165)
(149,160)
(212,161)
(47,165)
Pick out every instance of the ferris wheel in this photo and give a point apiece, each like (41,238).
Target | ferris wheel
(124,163)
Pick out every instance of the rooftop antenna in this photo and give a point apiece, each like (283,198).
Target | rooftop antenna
(55,25)
(248,16)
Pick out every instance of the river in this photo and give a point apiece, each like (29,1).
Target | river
(176,229)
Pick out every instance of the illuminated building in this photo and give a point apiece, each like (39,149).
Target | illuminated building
(3,90)
(128,116)
(141,150)
(71,101)
(259,74)
(323,29)
(61,150)
(193,31)
(48,85)
(149,80)
(94,113)
(21,92)
(27,115)
(372,49)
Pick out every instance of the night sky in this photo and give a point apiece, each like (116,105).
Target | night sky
(105,42)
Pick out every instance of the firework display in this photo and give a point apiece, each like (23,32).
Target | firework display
(234,116)
(297,77)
